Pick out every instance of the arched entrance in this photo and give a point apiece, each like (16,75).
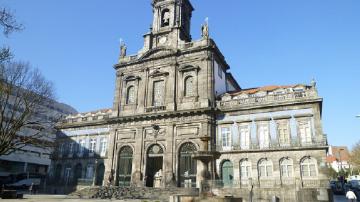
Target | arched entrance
(100,175)
(154,163)
(125,166)
(187,165)
(77,173)
(227,171)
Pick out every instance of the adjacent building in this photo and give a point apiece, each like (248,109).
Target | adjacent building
(179,118)
(31,159)
(338,158)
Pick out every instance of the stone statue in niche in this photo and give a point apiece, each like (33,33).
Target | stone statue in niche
(205,29)
(158,179)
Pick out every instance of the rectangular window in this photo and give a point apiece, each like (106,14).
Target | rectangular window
(226,138)
(283,134)
(286,170)
(244,137)
(245,171)
(103,146)
(220,72)
(71,147)
(61,148)
(264,136)
(158,93)
(81,146)
(305,132)
(262,171)
(92,145)
(89,172)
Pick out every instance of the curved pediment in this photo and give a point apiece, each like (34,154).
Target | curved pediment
(158,52)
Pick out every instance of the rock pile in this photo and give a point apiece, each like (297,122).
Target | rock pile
(123,193)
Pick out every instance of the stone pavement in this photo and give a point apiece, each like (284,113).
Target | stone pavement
(61,198)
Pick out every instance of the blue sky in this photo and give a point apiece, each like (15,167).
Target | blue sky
(76,43)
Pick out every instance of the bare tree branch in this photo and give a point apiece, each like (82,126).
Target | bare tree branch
(24,95)
(8,22)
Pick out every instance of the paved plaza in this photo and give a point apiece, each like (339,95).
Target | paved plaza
(60,198)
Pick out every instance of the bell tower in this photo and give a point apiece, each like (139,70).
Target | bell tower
(171,21)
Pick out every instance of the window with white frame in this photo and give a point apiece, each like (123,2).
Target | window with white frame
(81,146)
(92,145)
(89,171)
(220,71)
(308,167)
(71,147)
(244,136)
(61,148)
(245,169)
(283,132)
(265,168)
(103,146)
(286,167)
(264,136)
(226,138)
(305,132)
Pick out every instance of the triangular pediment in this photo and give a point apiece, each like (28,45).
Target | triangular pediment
(158,53)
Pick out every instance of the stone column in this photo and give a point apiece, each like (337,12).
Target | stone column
(137,175)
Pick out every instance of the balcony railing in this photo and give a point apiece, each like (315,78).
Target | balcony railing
(155,108)
(265,183)
(293,143)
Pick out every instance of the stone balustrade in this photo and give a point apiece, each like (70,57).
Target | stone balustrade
(230,101)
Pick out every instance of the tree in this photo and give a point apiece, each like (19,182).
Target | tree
(9,25)
(24,93)
(355,156)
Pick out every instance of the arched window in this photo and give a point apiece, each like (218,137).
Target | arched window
(165,18)
(189,86)
(286,167)
(130,98)
(245,169)
(187,165)
(308,167)
(265,168)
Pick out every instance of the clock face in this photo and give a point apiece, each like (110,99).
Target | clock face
(163,40)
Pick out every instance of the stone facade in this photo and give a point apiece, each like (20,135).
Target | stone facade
(179,118)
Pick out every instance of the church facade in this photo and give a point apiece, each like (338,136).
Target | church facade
(180,119)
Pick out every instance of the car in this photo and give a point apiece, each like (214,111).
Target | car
(25,183)
(337,187)
(25,180)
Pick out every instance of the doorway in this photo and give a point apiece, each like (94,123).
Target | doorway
(154,164)
(227,173)
(125,167)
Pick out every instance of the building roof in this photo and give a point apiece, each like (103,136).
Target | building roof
(91,113)
(268,88)
(338,152)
